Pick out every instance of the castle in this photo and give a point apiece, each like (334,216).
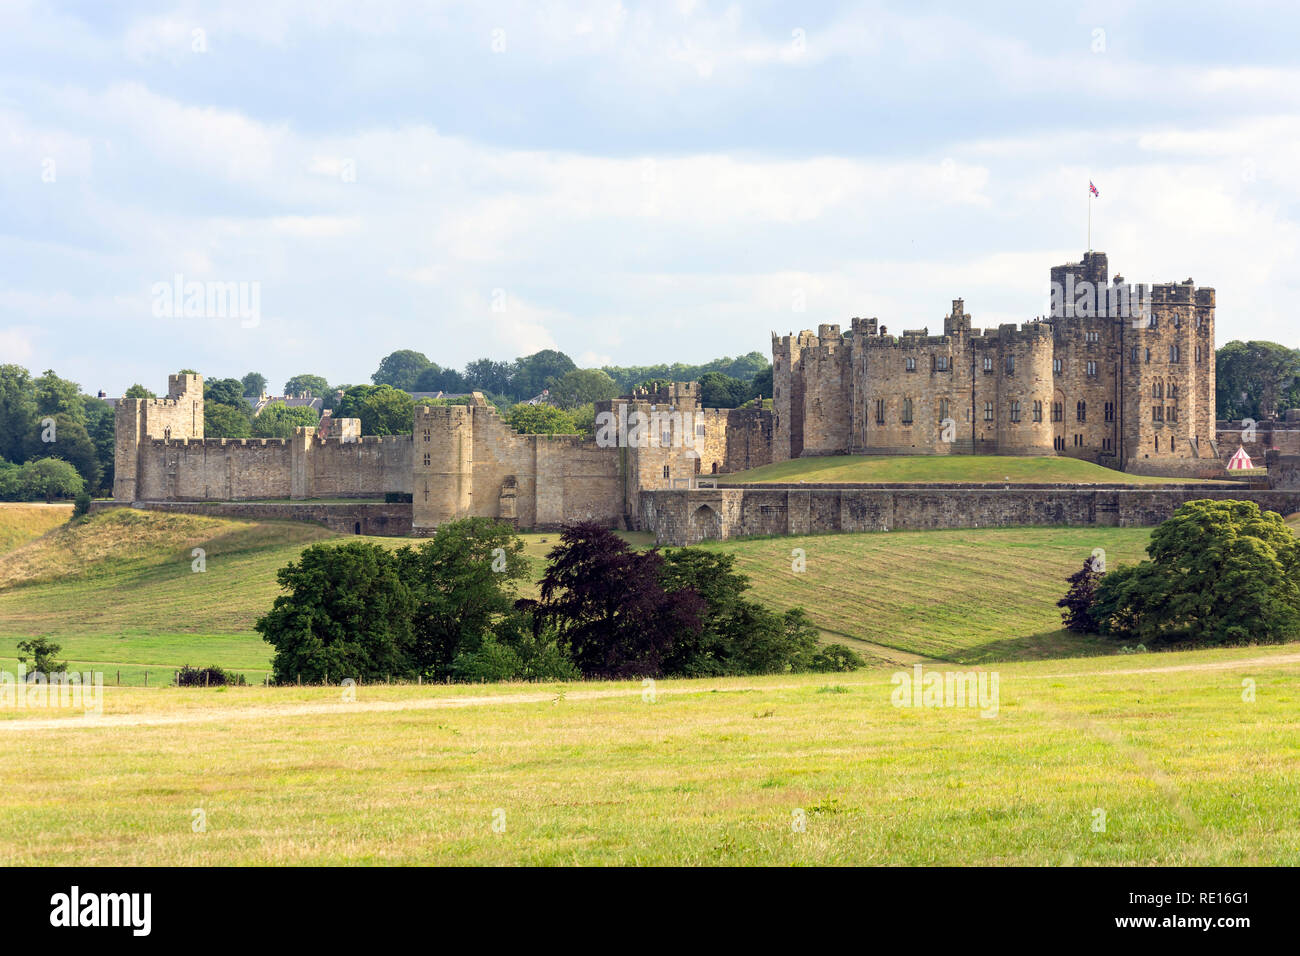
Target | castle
(1121,375)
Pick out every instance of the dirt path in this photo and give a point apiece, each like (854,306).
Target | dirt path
(279,711)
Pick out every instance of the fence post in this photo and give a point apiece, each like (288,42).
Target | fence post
(146,678)
(119,677)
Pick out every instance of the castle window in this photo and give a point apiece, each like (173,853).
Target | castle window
(1056,366)
(426,435)
(1153,322)
(1081,411)
(1058,412)
(907,411)
(1011,365)
(1133,356)
(1174,354)
(911,364)
(1172,413)
(699,430)
(1092,337)
(1173,389)
(1110,411)
(1148,356)
(880,411)
(1178,320)
(1092,370)
(988,411)
(941,363)
(1157,413)
(666,472)
(665,439)
(1198,354)
(988,363)
(1038,411)
(943,409)
(426,459)
(1015,411)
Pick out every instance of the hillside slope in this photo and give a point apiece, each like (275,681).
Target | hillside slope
(915,469)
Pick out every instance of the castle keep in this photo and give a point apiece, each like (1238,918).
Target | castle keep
(1120,375)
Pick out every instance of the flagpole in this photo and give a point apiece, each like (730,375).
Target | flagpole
(1090,218)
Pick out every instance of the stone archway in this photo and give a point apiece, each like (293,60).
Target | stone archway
(705,525)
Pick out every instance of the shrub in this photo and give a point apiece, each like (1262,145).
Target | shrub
(835,658)
(43,652)
(81,505)
(208,677)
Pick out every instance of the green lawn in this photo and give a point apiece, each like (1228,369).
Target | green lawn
(21,522)
(773,770)
(940,468)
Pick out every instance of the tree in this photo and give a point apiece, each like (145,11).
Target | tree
(537,372)
(58,396)
(254,384)
(43,652)
(225,391)
(49,478)
(435,379)
(138,391)
(312,385)
(463,580)
(1220,572)
(581,386)
(225,421)
(607,604)
(540,420)
(65,438)
(485,375)
(278,420)
(722,391)
(17,411)
(1078,600)
(1256,380)
(345,613)
(761,384)
(102,429)
(401,369)
(383,410)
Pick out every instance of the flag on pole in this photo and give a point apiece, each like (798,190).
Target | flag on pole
(1093,189)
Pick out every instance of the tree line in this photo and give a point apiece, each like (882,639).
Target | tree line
(449,610)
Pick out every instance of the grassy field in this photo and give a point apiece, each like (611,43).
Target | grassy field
(119,592)
(706,772)
(23,522)
(941,468)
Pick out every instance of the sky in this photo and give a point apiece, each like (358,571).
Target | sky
(629,183)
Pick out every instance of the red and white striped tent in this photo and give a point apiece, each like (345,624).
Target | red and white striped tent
(1240,461)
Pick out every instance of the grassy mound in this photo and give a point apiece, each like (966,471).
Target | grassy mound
(920,469)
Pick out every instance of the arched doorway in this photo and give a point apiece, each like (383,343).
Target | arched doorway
(705,525)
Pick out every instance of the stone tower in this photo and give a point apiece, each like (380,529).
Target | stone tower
(138,420)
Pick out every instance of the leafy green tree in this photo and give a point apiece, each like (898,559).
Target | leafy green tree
(68,440)
(581,386)
(102,429)
(278,420)
(383,410)
(44,653)
(225,421)
(464,580)
(225,391)
(722,391)
(1220,572)
(48,479)
(1256,380)
(312,385)
(345,613)
(760,385)
(435,379)
(138,391)
(254,384)
(540,420)
(58,396)
(485,375)
(401,369)
(11,485)
(17,411)
(539,371)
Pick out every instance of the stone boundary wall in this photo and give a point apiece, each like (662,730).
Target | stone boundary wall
(378,518)
(684,517)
